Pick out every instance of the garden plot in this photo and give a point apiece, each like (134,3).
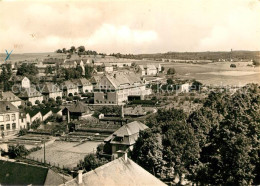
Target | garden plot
(65,154)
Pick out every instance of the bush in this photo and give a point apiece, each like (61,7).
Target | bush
(29,103)
(17,151)
(143,102)
(90,162)
(22,132)
(256,62)
(171,71)
(36,124)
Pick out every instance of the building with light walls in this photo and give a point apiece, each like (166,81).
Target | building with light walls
(9,118)
(31,95)
(50,90)
(118,88)
(9,96)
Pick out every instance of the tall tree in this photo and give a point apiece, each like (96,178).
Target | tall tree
(147,152)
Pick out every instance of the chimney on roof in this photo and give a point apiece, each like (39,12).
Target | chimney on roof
(125,156)
(79,177)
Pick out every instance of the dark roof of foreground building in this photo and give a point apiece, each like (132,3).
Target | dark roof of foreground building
(14,173)
(6,106)
(118,172)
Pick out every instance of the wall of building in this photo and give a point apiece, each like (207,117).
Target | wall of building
(16,103)
(34,99)
(89,88)
(9,122)
(105,98)
(54,95)
(25,83)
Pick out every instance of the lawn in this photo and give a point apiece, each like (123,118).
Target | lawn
(218,73)
(65,154)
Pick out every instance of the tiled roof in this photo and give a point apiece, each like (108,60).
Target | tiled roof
(79,107)
(123,79)
(83,82)
(8,96)
(118,172)
(29,92)
(50,87)
(69,85)
(131,129)
(6,104)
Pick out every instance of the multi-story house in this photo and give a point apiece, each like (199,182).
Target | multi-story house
(50,90)
(31,95)
(125,137)
(9,118)
(9,96)
(22,81)
(149,69)
(84,85)
(69,88)
(118,88)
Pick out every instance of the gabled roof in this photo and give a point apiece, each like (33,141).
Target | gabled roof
(69,85)
(33,112)
(131,129)
(18,78)
(50,88)
(79,107)
(8,96)
(6,106)
(82,82)
(14,173)
(123,79)
(118,172)
(95,79)
(29,92)
(42,111)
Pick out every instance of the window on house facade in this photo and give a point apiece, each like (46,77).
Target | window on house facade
(2,127)
(1,118)
(13,117)
(14,126)
(8,127)
(7,117)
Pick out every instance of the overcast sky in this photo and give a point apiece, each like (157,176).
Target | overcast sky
(130,26)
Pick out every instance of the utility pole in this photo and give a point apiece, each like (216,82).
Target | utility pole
(44,160)
(44,152)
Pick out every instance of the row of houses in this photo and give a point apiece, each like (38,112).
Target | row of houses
(12,120)
(23,90)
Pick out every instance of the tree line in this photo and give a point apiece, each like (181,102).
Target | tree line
(79,50)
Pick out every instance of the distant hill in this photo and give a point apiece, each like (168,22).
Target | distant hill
(244,55)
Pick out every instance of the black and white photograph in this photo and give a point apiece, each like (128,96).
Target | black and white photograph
(129,92)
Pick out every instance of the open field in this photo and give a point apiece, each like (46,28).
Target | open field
(65,154)
(218,73)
